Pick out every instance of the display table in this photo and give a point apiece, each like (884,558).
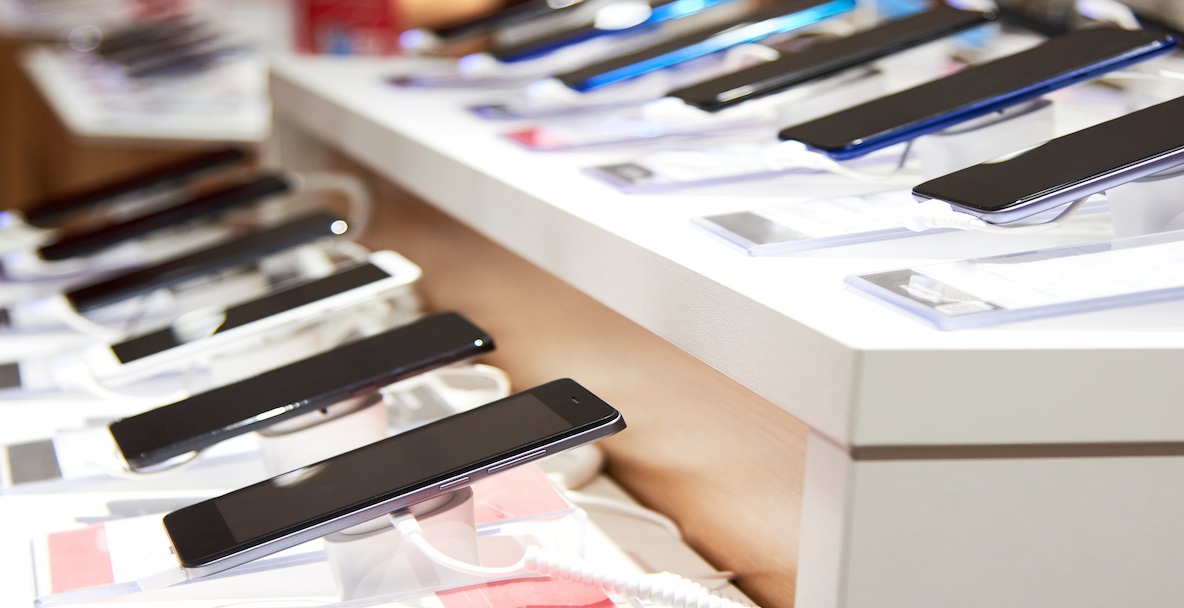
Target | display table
(230,107)
(1016,464)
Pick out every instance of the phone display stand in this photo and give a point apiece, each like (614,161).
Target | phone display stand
(1148,205)
(817,99)
(314,437)
(980,140)
(373,560)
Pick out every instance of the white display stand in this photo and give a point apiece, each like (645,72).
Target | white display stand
(978,462)
(1151,204)
(373,560)
(986,138)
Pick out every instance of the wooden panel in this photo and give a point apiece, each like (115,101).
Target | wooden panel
(724,463)
(39,157)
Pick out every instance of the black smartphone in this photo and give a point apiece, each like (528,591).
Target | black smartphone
(977,91)
(779,18)
(660,12)
(1068,168)
(387,475)
(55,210)
(209,205)
(147,33)
(242,250)
(503,17)
(300,388)
(829,57)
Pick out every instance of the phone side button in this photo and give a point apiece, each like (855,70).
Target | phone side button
(454,483)
(518,460)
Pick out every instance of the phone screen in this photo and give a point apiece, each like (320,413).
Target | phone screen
(249,312)
(977,90)
(246,249)
(301,387)
(828,57)
(1075,159)
(374,475)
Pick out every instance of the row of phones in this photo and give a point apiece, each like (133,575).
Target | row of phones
(1001,191)
(350,488)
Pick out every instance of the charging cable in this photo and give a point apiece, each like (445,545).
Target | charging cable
(1109,11)
(795,155)
(663,588)
(60,309)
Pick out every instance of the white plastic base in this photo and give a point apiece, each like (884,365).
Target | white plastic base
(1149,205)
(985,138)
(319,435)
(373,560)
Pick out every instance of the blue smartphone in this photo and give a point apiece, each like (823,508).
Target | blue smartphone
(660,12)
(977,91)
(1012,188)
(828,57)
(782,18)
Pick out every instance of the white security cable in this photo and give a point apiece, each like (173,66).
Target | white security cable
(663,588)
(60,309)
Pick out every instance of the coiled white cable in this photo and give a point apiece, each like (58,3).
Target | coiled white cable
(664,588)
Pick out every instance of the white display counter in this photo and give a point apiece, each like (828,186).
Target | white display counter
(969,468)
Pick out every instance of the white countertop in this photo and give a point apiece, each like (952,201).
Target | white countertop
(226,105)
(784,326)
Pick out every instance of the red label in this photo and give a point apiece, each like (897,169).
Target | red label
(79,559)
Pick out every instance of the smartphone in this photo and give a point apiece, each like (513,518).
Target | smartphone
(205,206)
(302,387)
(660,11)
(161,350)
(1065,169)
(56,210)
(142,34)
(387,475)
(240,251)
(502,17)
(977,90)
(780,18)
(183,61)
(828,57)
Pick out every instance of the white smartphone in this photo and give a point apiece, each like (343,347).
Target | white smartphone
(167,349)
(385,476)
